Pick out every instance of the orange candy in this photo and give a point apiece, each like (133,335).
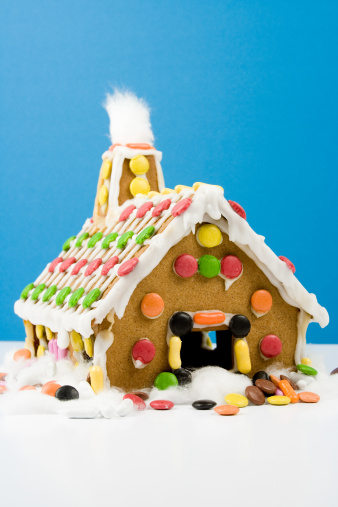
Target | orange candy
(307,397)
(50,388)
(140,146)
(3,389)
(288,391)
(152,305)
(261,301)
(274,380)
(226,410)
(22,354)
(208,319)
(27,388)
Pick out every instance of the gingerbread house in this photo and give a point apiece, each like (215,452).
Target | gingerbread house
(138,290)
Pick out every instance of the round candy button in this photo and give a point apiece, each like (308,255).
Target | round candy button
(183,376)
(226,410)
(152,305)
(271,346)
(139,186)
(261,301)
(231,267)
(161,404)
(209,266)
(240,326)
(185,265)
(165,380)
(143,352)
(209,235)
(307,370)
(236,399)
(181,323)
(139,165)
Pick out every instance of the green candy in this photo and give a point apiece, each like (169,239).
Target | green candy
(80,239)
(94,239)
(66,245)
(209,266)
(27,289)
(49,293)
(123,240)
(165,380)
(37,291)
(62,295)
(108,239)
(145,234)
(92,296)
(74,298)
(307,370)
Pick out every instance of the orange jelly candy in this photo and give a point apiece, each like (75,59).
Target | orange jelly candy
(152,305)
(285,386)
(274,380)
(27,388)
(261,301)
(22,354)
(50,388)
(208,319)
(307,397)
(226,410)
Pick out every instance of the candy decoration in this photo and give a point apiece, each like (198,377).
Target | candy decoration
(270,346)
(143,353)
(291,382)
(49,334)
(307,370)
(123,240)
(66,263)
(78,266)
(145,234)
(275,380)
(204,404)
(139,165)
(181,323)
(266,386)
(76,341)
(261,301)
(62,295)
(92,296)
(106,168)
(144,396)
(162,206)
(137,401)
(231,267)
(226,410)
(66,245)
(50,388)
(152,305)
(175,344)
(288,391)
(22,354)
(334,372)
(209,266)
(93,266)
(183,376)
(161,404)
(128,266)
(139,186)
(242,354)
(165,380)
(94,239)
(181,206)
(307,397)
(111,148)
(260,375)
(139,146)
(37,291)
(126,212)
(96,378)
(143,209)
(209,235)
(49,293)
(75,297)
(289,264)
(279,400)
(185,265)
(240,326)
(80,239)
(39,329)
(66,393)
(238,209)
(27,388)
(103,195)
(255,395)
(307,361)
(109,265)
(26,290)
(278,392)
(236,399)
(89,346)
(180,188)
(209,318)
(109,239)
(53,264)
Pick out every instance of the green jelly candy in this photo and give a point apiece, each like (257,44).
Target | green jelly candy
(123,240)
(74,298)
(165,380)
(49,293)
(108,239)
(80,239)
(62,295)
(92,296)
(307,370)
(37,291)
(27,289)
(66,245)
(145,234)
(209,266)
(94,239)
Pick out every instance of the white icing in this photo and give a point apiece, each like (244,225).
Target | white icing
(258,314)
(302,324)
(103,341)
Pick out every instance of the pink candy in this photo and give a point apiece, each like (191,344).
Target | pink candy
(279,392)
(56,350)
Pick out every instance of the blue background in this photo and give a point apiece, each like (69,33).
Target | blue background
(243,94)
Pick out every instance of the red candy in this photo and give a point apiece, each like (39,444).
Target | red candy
(181,207)
(164,205)
(78,266)
(109,265)
(96,263)
(53,264)
(271,346)
(238,209)
(231,267)
(92,220)
(126,213)
(143,209)
(161,404)
(138,402)
(185,265)
(127,267)
(144,351)
(66,263)
(288,263)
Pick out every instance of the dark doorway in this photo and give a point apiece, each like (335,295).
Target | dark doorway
(194,354)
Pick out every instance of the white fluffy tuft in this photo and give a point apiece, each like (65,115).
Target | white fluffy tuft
(129,118)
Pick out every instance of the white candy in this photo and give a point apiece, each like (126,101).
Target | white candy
(85,390)
(82,412)
(125,407)
(107,410)
(301,384)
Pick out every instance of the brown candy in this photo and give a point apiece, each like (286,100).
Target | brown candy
(144,396)
(255,395)
(266,386)
(292,384)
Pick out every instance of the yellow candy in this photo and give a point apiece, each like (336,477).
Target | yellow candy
(209,235)
(209,342)
(139,165)
(167,191)
(238,400)
(139,186)
(307,361)
(39,331)
(179,188)
(41,350)
(103,195)
(106,169)
(242,356)
(175,344)
(197,185)
(279,400)
(76,341)
(96,379)
(29,341)
(89,345)
(49,334)
(152,193)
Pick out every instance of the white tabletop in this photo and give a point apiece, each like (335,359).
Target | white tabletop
(264,456)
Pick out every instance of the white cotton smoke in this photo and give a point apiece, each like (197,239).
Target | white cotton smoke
(129,118)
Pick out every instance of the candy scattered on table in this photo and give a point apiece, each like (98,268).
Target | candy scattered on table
(334,372)
(66,393)
(138,403)
(125,407)
(3,389)
(238,400)
(307,370)
(301,384)
(255,395)
(96,378)
(204,404)
(291,382)
(279,400)
(266,386)
(165,380)
(161,404)
(307,397)
(279,392)
(260,375)
(226,410)
(288,391)
(139,186)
